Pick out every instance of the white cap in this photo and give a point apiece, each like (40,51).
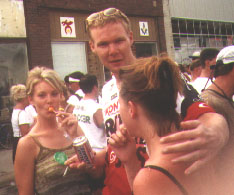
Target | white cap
(226,55)
(196,54)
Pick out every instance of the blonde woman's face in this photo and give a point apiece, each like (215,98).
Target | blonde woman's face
(44,96)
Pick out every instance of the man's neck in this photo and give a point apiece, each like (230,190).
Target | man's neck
(116,74)
(223,84)
(205,73)
(89,96)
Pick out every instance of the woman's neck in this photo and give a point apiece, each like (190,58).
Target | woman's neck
(152,140)
(46,123)
(20,106)
(155,150)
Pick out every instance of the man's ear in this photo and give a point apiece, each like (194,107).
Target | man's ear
(132,109)
(91,45)
(131,37)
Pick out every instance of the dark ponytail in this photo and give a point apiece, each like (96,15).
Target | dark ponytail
(154,83)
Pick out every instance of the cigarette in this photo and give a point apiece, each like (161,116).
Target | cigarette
(65,172)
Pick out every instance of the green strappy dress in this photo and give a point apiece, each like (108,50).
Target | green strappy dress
(49,177)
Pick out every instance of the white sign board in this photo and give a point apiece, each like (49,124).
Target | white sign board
(144,30)
(67,27)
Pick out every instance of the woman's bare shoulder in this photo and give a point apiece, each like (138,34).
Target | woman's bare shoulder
(27,144)
(150,181)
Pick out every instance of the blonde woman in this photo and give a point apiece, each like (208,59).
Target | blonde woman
(39,164)
(19,119)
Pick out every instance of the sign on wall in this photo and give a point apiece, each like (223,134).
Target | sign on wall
(144,30)
(67,27)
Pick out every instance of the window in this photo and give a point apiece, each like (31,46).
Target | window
(69,57)
(145,49)
(191,35)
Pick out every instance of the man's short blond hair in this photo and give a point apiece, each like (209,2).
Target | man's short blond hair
(110,15)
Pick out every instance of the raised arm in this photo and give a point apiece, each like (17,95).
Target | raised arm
(70,124)
(125,149)
(201,140)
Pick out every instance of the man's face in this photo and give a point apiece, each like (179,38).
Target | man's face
(112,44)
(210,62)
(74,86)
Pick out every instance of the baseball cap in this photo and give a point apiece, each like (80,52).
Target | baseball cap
(195,55)
(226,55)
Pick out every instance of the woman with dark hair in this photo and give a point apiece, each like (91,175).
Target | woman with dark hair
(148,95)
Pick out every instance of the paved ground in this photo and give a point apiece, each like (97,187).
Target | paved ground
(7,186)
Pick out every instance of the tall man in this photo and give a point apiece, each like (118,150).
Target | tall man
(111,39)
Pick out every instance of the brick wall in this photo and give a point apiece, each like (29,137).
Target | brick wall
(94,66)
(38,34)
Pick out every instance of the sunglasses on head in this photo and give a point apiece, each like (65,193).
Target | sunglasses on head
(106,12)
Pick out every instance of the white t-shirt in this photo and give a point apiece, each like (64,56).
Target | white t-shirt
(73,99)
(84,113)
(110,106)
(31,113)
(19,117)
(200,83)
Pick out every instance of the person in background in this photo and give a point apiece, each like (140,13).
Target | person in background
(89,113)
(19,119)
(148,96)
(195,55)
(74,85)
(65,96)
(183,68)
(39,163)
(195,70)
(207,59)
(219,96)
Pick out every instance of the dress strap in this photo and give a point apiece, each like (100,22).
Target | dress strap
(173,179)
(36,141)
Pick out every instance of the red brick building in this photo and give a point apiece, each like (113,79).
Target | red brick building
(47,47)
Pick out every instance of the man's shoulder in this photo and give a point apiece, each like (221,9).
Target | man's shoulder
(215,100)
(73,100)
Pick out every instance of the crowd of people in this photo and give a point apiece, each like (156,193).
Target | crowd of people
(153,132)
